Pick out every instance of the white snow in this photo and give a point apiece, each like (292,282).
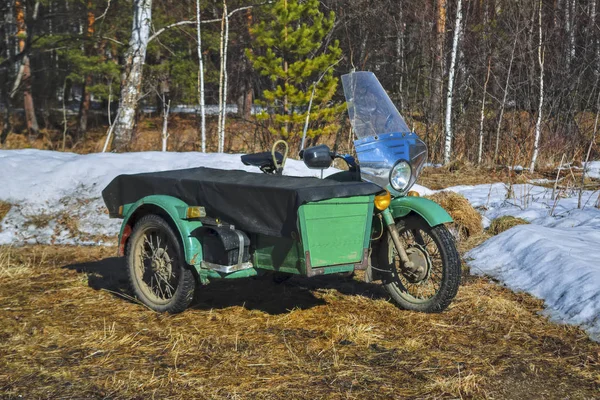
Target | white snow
(559,265)
(593,169)
(58,185)
(556,258)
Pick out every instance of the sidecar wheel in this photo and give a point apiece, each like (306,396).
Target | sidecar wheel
(433,248)
(156,266)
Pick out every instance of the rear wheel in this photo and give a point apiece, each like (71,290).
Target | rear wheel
(434,250)
(156,266)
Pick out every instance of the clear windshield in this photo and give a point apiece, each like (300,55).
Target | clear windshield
(370,109)
(384,139)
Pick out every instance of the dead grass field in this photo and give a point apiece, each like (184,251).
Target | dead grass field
(68,329)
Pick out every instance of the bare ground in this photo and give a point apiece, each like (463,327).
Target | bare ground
(68,329)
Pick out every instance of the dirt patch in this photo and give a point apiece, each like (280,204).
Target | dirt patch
(504,223)
(69,328)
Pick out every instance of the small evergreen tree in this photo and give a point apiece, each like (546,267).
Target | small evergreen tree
(289,50)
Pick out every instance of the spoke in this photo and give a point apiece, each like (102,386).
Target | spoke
(150,244)
(158,279)
(157,241)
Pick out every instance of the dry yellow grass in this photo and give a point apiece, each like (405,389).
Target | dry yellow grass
(69,330)
(467,220)
(4,209)
(504,223)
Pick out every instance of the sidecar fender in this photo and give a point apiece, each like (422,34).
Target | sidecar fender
(172,209)
(431,211)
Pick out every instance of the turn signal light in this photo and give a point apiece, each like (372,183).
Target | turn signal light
(383,201)
(195,212)
(412,193)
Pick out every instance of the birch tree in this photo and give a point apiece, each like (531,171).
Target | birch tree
(223,78)
(482,118)
(132,75)
(449,96)
(538,124)
(201,80)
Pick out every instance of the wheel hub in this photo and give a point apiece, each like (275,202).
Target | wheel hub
(161,264)
(422,264)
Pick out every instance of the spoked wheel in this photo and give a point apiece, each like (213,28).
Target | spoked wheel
(156,266)
(433,287)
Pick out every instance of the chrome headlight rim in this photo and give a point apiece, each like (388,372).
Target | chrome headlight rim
(409,178)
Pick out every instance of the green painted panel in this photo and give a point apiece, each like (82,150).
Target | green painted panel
(431,211)
(278,254)
(336,231)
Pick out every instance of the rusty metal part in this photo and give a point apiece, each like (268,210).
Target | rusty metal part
(310,271)
(364,263)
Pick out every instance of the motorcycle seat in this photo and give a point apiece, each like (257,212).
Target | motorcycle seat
(262,160)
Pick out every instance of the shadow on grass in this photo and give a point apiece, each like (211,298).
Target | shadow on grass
(259,293)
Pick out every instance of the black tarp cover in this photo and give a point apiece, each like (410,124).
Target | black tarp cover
(257,203)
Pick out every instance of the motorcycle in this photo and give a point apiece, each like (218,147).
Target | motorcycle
(186,226)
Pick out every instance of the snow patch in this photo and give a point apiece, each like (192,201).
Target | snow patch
(593,169)
(560,266)
(556,258)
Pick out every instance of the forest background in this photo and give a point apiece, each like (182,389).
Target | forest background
(481,81)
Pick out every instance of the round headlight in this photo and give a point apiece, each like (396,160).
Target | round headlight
(400,176)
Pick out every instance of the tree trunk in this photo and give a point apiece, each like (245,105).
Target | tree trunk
(482,119)
(84,107)
(449,96)
(86,95)
(221,72)
(6,128)
(224,107)
(438,63)
(32,124)
(245,99)
(201,80)
(503,104)
(132,76)
(400,26)
(165,127)
(538,124)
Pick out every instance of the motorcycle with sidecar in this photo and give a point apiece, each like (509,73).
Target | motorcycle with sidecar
(195,225)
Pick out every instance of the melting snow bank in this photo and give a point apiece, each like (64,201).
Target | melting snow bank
(57,199)
(556,258)
(560,266)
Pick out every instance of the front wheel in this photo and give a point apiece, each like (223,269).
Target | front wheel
(156,266)
(433,249)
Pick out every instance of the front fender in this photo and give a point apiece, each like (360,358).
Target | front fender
(431,211)
(175,209)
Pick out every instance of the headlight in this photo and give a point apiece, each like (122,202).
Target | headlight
(400,176)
